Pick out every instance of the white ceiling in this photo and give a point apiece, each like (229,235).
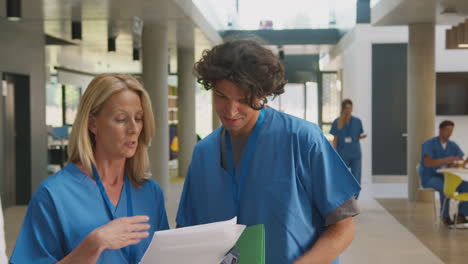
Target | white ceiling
(95,16)
(301,49)
(404,12)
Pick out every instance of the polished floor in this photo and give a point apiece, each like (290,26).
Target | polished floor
(389,229)
(450,245)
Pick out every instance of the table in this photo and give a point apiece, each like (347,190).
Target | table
(463,173)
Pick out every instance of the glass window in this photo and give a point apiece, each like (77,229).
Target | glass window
(266,14)
(54,112)
(292,100)
(312,102)
(331,100)
(72,99)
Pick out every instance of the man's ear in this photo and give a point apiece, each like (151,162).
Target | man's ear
(261,101)
(92,124)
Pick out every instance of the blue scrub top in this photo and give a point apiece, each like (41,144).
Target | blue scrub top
(352,130)
(433,148)
(68,206)
(295,180)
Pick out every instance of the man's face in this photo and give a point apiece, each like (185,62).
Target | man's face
(446,132)
(232,108)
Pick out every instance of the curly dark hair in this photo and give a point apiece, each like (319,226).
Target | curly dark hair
(247,64)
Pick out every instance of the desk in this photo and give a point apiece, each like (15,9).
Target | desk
(463,173)
(451,184)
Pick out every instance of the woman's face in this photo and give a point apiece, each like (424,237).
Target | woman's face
(118,125)
(348,109)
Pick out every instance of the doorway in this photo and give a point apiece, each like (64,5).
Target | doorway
(389,82)
(16,119)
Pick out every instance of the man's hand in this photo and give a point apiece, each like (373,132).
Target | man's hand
(453,159)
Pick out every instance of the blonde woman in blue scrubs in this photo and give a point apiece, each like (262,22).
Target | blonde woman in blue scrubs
(101,207)
(347,131)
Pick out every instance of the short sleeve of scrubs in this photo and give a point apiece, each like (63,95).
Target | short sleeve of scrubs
(350,208)
(361,130)
(334,128)
(428,149)
(39,241)
(186,214)
(459,151)
(332,183)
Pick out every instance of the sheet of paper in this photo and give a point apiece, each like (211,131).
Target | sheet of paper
(202,244)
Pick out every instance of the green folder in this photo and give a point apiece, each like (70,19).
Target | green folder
(251,245)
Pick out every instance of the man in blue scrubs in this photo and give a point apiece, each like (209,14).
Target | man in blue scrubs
(267,167)
(438,152)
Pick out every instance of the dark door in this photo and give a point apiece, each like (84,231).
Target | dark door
(389,109)
(20,175)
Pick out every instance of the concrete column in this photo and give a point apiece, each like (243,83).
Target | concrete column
(186,130)
(155,72)
(421,97)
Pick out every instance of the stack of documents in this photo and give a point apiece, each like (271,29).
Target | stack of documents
(202,244)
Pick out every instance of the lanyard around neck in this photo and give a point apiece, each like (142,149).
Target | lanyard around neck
(248,152)
(109,207)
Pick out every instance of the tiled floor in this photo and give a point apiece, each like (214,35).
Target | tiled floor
(13,220)
(380,238)
(393,236)
(449,244)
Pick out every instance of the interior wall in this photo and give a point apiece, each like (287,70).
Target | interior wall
(356,66)
(22,51)
(354,57)
(452,61)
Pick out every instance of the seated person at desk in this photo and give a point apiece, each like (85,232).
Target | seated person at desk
(438,152)
(101,207)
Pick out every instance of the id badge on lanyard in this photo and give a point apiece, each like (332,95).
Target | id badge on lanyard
(347,131)
(250,147)
(129,251)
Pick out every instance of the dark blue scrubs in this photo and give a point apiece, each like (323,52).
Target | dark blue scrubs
(429,176)
(348,145)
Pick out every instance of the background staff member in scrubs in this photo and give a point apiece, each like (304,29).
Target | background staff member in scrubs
(102,202)
(267,167)
(437,152)
(347,131)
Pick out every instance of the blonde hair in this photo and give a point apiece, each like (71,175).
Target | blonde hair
(81,141)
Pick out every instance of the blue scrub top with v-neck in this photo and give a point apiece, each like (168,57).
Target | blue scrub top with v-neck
(348,145)
(68,206)
(434,149)
(295,180)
